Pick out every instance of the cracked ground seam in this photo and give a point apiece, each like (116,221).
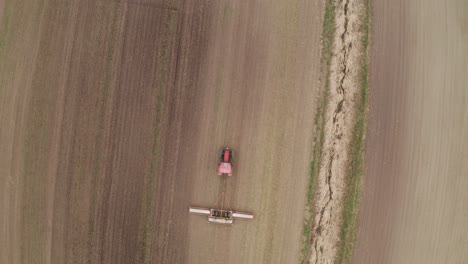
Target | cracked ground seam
(340,111)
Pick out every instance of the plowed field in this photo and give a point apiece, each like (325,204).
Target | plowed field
(415,200)
(112,115)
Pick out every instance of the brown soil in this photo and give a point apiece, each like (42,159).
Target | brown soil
(414,202)
(113,114)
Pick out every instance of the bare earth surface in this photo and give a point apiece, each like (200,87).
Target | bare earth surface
(414,207)
(112,115)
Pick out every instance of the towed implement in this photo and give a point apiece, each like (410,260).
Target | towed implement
(217,214)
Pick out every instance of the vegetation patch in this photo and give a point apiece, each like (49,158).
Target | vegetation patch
(356,149)
(328,32)
(356,164)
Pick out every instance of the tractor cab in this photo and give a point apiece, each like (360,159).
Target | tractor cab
(225,162)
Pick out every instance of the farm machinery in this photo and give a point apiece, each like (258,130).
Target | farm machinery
(218,214)
(225,162)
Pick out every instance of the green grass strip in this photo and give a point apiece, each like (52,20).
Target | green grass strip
(319,122)
(356,168)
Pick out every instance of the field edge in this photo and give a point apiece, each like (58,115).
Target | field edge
(328,32)
(355,170)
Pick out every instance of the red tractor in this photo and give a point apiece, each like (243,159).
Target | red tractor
(225,162)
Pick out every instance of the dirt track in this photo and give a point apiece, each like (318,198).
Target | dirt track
(415,200)
(113,114)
